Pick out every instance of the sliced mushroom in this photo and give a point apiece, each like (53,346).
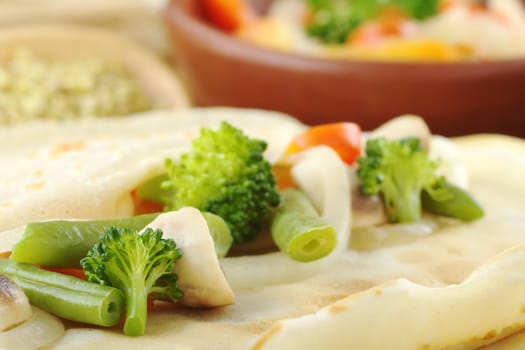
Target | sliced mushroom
(405,126)
(200,275)
(14,306)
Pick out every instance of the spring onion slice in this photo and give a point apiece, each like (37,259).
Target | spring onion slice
(220,233)
(39,332)
(299,231)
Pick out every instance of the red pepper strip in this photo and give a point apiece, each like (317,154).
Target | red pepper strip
(344,138)
(228,15)
(144,206)
(78,273)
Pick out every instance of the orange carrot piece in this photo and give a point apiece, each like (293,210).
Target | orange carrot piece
(283,176)
(344,138)
(144,206)
(228,15)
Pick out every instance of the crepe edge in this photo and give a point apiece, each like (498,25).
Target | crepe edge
(507,268)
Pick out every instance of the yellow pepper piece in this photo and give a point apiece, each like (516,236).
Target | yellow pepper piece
(267,32)
(404,50)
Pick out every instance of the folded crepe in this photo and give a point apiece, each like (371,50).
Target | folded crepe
(459,287)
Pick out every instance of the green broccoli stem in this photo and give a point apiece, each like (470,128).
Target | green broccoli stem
(299,231)
(402,204)
(137,308)
(134,262)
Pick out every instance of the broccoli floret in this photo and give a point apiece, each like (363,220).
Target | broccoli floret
(225,173)
(140,265)
(332,21)
(399,171)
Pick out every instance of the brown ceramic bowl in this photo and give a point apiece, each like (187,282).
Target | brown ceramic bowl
(454,98)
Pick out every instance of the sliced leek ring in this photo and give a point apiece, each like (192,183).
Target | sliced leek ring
(14,306)
(40,331)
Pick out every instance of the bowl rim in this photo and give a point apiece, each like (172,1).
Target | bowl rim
(178,14)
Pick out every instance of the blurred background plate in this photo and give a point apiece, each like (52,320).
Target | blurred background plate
(137,19)
(64,42)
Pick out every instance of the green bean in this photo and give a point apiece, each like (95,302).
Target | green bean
(461,205)
(299,231)
(63,243)
(66,296)
(220,233)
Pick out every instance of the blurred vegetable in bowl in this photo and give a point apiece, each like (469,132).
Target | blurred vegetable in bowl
(389,30)
(229,15)
(455,97)
(332,21)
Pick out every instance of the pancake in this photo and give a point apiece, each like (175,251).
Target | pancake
(403,295)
